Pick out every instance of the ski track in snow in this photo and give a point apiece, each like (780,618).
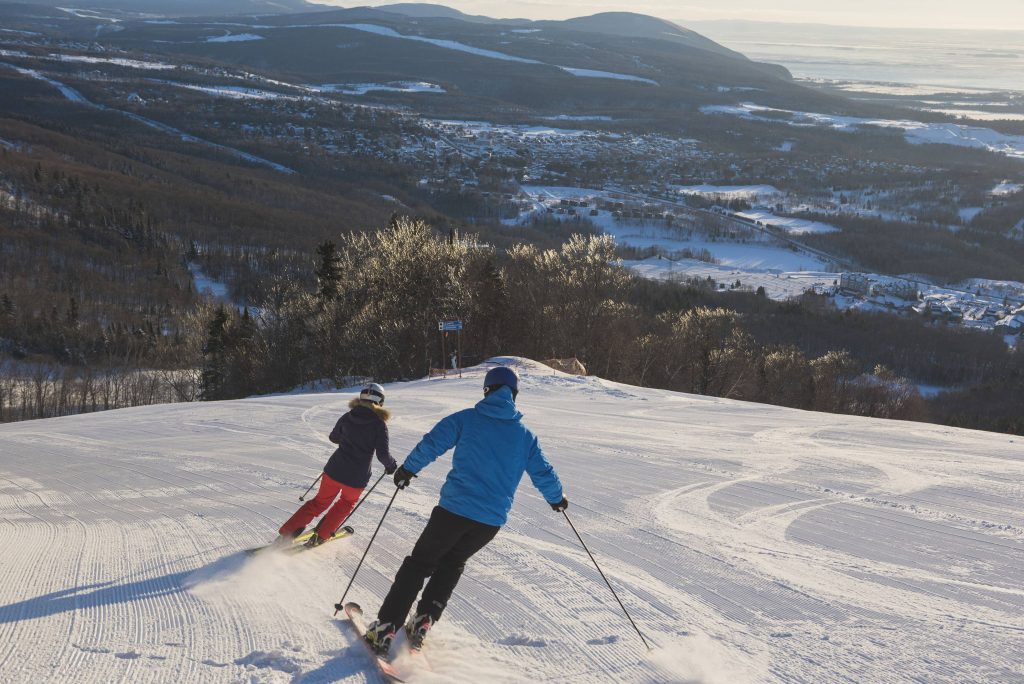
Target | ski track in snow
(480,52)
(750,543)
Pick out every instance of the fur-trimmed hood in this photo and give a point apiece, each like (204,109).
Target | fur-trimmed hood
(379,411)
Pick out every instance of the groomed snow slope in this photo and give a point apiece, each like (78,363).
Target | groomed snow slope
(751,544)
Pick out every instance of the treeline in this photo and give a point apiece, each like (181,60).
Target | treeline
(380,295)
(996,405)
(928,353)
(37,390)
(897,248)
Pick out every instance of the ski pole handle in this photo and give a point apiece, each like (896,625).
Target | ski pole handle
(303,497)
(594,561)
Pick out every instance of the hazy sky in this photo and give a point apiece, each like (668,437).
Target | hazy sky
(979,14)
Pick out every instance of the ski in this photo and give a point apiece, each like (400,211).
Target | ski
(355,616)
(298,544)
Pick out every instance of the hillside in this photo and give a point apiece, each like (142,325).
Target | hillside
(751,543)
(642,26)
(484,65)
(428,10)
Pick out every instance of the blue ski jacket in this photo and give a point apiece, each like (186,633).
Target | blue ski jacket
(492,451)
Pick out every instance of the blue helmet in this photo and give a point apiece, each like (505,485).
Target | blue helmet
(502,375)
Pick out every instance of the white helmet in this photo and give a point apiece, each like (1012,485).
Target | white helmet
(373,393)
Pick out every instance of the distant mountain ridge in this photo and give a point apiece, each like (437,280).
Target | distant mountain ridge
(631,63)
(184,8)
(425,10)
(633,25)
(621,24)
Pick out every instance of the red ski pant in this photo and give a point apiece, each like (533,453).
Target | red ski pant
(329,525)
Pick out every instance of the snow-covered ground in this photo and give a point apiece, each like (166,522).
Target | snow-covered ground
(777,284)
(234,92)
(977,114)
(235,38)
(793,226)
(730,192)
(1006,188)
(393,87)
(759,259)
(447,44)
(116,61)
(476,128)
(750,543)
(585,117)
(593,73)
(68,92)
(206,285)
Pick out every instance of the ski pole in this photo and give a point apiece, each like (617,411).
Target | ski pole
(341,604)
(360,503)
(594,560)
(303,497)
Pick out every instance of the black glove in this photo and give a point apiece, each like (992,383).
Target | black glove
(560,506)
(390,469)
(403,478)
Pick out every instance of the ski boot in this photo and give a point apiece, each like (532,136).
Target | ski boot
(286,539)
(314,541)
(416,629)
(379,636)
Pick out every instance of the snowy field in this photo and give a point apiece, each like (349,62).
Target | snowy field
(1006,188)
(235,38)
(792,226)
(751,544)
(760,258)
(777,285)
(731,192)
(749,256)
(393,87)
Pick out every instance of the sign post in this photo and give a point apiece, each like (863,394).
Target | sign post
(444,327)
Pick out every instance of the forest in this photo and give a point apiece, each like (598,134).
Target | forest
(379,295)
(105,225)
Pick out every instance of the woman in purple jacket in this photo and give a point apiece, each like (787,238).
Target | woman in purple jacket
(358,434)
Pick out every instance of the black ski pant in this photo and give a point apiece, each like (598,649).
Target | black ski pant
(441,552)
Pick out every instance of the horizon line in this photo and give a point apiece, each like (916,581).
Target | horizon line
(682,22)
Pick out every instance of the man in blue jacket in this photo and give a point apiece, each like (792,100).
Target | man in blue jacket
(492,451)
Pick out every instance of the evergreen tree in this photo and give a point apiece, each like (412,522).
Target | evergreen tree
(214,376)
(71,317)
(7,316)
(328,272)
